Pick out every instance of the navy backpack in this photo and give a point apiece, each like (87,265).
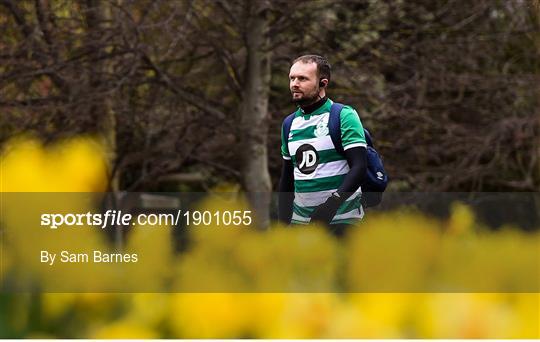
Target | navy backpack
(376,178)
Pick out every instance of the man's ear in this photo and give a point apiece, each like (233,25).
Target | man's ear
(323,82)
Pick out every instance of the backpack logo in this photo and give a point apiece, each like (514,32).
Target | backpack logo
(307,159)
(380,175)
(322,128)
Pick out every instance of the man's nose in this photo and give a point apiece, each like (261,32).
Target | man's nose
(294,83)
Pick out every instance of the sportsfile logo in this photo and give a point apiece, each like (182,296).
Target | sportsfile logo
(112,218)
(106,219)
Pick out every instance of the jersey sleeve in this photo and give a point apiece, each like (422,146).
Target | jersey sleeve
(352,131)
(284,146)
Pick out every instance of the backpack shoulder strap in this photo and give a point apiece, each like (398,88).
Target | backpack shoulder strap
(287,123)
(334,126)
(369,140)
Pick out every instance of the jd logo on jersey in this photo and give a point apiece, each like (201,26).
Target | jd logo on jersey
(307,158)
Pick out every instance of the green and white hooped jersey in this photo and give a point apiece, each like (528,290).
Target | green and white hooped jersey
(318,168)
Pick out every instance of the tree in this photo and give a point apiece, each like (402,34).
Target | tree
(188,86)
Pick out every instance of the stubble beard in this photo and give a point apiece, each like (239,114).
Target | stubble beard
(306,100)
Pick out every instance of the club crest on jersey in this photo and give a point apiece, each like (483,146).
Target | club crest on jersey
(322,128)
(307,158)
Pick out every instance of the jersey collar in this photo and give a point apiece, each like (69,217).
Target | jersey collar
(320,108)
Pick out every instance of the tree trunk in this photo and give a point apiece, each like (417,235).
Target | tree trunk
(98,19)
(254,112)
(537,173)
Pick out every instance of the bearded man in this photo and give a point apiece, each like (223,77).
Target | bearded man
(318,183)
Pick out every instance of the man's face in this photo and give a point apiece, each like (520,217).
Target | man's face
(304,83)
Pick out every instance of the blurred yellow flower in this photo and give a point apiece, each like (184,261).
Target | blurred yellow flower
(123,330)
(392,252)
(150,310)
(210,315)
(462,219)
(525,323)
(305,315)
(153,272)
(76,165)
(99,307)
(55,305)
(349,322)
(267,315)
(466,315)
(383,315)
(398,251)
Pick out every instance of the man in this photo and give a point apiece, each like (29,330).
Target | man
(317,183)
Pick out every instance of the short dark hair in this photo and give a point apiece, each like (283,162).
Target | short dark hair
(323,67)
